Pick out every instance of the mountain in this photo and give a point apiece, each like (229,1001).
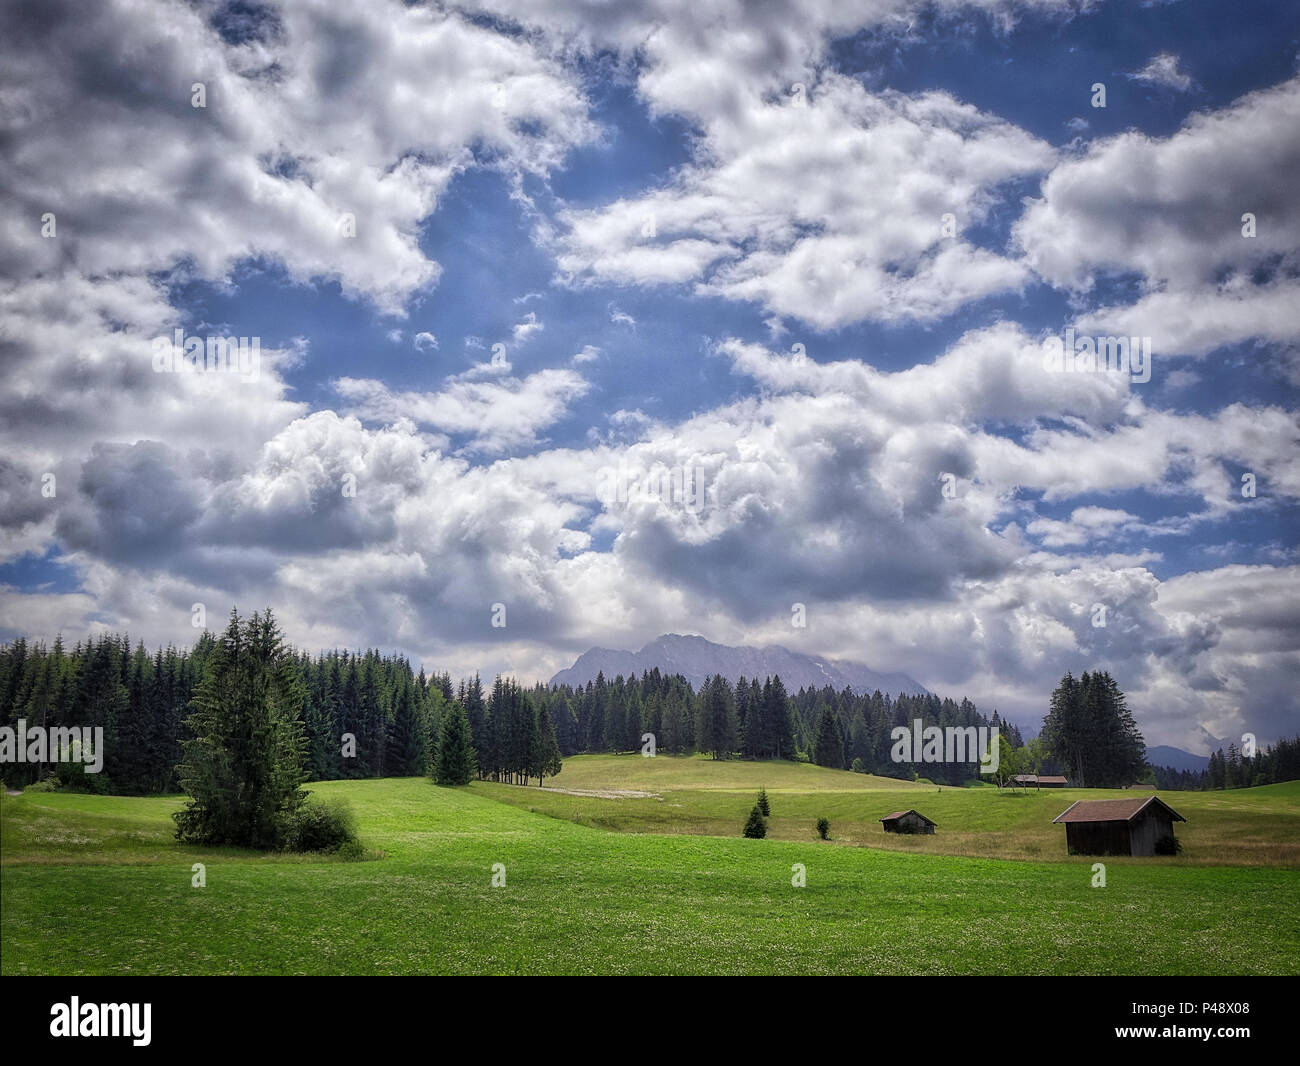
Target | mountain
(1176,758)
(698,659)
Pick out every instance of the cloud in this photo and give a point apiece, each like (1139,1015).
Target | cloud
(1205,219)
(496,416)
(304,154)
(426,342)
(781,207)
(1162,70)
(525,329)
(401,517)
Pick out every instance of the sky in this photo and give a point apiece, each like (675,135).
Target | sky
(570,323)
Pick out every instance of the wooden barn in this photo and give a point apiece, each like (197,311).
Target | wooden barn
(907,822)
(1040,780)
(1117,827)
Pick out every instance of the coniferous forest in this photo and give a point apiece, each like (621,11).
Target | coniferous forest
(365,714)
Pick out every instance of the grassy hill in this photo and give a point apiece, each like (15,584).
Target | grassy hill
(94,884)
(1247,827)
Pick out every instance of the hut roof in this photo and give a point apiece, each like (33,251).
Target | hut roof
(1124,810)
(899,814)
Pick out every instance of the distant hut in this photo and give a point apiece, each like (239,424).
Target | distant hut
(907,822)
(1118,827)
(1040,781)
(1143,786)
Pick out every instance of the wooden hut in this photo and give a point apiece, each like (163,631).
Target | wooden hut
(907,822)
(1040,780)
(1117,827)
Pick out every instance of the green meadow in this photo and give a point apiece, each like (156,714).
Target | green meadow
(658,884)
(1245,827)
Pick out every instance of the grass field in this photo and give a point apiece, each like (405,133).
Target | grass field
(97,885)
(1245,827)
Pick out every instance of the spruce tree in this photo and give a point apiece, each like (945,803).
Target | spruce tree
(545,757)
(763,805)
(455,764)
(828,749)
(244,765)
(756,826)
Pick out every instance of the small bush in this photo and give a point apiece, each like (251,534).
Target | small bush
(1169,845)
(351,851)
(323,826)
(46,784)
(824,828)
(858,767)
(763,805)
(756,826)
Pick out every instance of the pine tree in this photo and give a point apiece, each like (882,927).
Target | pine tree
(763,805)
(756,826)
(716,716)
(828,749)
(455,764)
(545,761)
(243,767)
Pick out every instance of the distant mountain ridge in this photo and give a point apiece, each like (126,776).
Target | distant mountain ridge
(698,659)
(1176,759)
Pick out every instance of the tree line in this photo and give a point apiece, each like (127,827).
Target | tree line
(1276,763)
(364,714)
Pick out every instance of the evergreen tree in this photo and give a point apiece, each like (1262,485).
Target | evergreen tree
(243,766)
(545,761)
(756,826)
(455,763)
(1089,728)
(829,747)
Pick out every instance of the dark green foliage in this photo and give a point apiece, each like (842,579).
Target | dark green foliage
(455,763)
(1168,845)
(1090,731)
(142,704)
(824,828)
(242,768)
(828,749)
(756,825)
(545,757)
(763,805)
(325,825)
(717,728)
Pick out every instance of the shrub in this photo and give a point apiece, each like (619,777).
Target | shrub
(323,826)
(763,805)
(45,784)
(824,828)
(1169,845)
(352,851)
(858,767)
(756,826)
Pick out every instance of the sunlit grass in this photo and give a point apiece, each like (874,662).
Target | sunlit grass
(95,885)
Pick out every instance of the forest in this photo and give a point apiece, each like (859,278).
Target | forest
(370,715)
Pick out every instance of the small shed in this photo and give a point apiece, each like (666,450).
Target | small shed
(1117,827)
(907,822)
(1040,780)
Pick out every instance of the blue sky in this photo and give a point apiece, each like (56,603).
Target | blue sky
(710,240)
